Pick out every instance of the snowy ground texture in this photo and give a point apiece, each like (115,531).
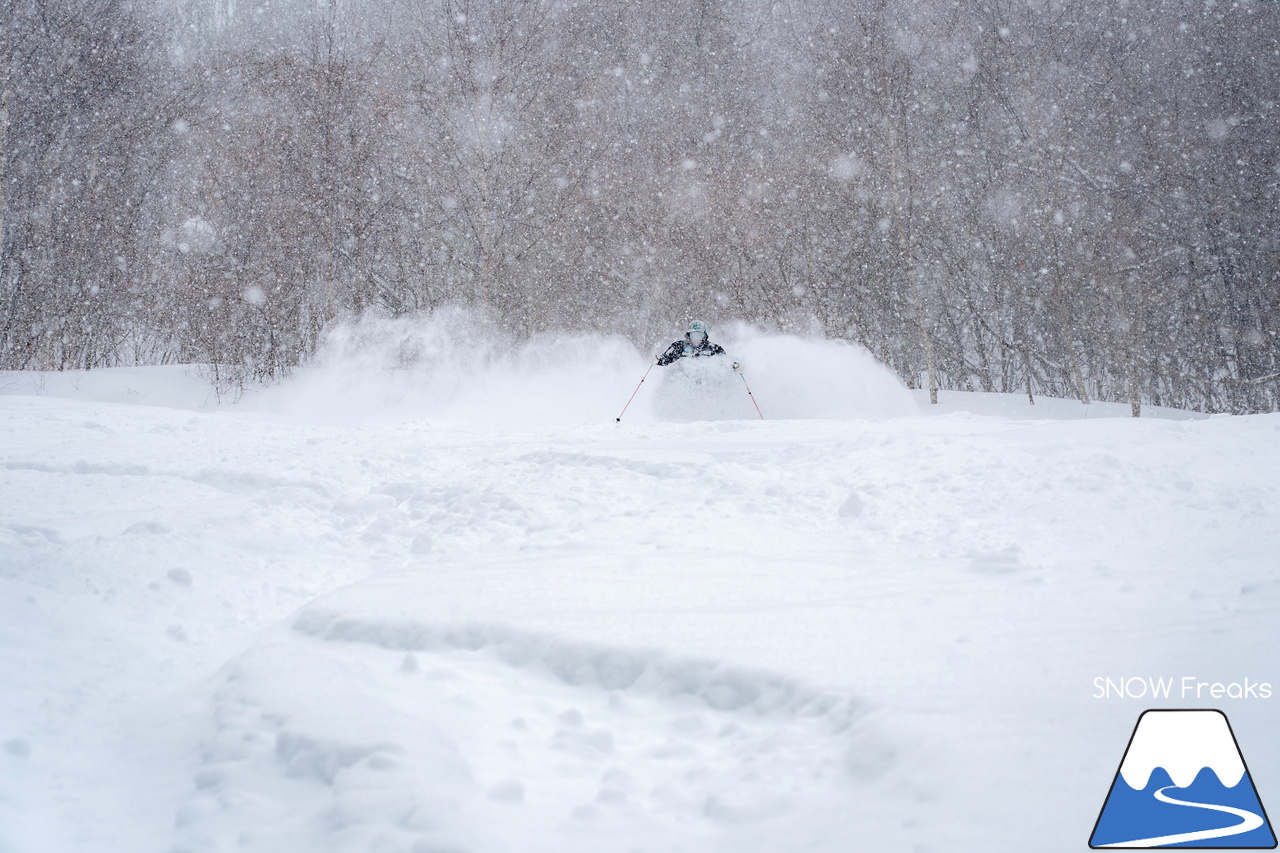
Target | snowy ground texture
(456,608)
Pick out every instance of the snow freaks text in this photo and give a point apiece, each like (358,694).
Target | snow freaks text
(1186,687)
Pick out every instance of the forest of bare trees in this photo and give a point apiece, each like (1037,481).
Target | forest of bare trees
(1066,197)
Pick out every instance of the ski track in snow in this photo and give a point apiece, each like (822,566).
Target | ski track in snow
(234,630)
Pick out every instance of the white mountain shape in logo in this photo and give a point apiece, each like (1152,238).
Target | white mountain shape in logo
(1183,743)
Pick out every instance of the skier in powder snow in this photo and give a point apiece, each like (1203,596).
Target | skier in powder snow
(695,344)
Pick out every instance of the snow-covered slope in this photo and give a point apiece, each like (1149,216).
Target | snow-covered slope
(410,626)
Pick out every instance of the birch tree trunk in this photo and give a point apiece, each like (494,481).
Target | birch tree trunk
(902,215)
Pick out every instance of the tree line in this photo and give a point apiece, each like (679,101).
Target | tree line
(1066,197)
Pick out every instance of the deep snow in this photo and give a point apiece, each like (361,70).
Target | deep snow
(430,597)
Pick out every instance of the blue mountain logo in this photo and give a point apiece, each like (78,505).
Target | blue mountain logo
(1183,783)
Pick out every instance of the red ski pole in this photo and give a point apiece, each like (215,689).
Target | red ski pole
(633,396)
(752,396)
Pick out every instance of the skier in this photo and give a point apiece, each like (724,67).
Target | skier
(695,344)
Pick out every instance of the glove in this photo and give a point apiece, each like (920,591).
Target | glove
(657,359)
(737,368)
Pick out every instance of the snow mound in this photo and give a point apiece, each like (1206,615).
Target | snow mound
(453,367)
(359,733)
(807,377)
(1016,406)
(585,664)
(701,389)
(174,386)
